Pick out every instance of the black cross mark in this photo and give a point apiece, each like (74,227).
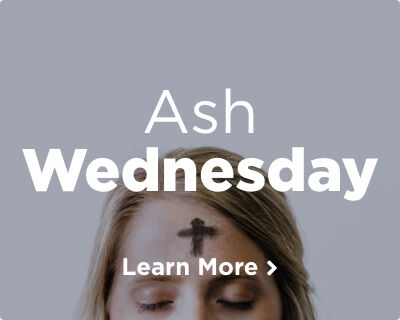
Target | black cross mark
(198,232)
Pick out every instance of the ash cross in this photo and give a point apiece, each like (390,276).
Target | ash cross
(198,232)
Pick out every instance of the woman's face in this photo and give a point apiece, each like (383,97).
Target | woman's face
(152,236)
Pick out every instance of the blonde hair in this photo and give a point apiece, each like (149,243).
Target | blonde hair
(264,216)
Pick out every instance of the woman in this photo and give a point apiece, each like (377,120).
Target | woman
(159,226)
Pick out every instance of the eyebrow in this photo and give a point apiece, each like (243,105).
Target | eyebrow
(241,276)
(154,278)
(215,280)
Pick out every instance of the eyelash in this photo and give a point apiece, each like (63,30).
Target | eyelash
(153,306)
(241,306)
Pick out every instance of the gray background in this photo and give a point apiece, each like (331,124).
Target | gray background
(87,74)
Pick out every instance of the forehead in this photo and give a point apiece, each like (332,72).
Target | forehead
(152,233)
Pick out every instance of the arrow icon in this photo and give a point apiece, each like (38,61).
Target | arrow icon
(273,268)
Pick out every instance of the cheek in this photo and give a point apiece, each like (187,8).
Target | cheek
(120,306)
(271,307)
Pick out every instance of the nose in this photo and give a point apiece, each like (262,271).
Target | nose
(193,310)
(199,314)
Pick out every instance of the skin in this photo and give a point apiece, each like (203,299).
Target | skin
(151,235)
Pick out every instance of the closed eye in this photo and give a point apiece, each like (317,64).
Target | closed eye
(153,306)
(241,305)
